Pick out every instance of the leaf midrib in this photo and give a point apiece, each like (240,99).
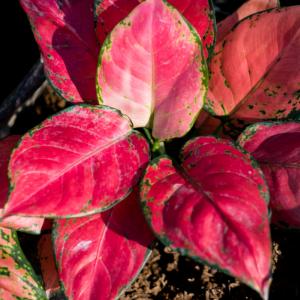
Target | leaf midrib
(103,233)
(71,166)
(259,82)
(198,188)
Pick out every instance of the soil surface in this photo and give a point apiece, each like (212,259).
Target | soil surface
(168,275)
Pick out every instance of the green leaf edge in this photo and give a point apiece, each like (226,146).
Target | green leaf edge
(54,236)
(163,238)
(68,109)
(293,114)
(22,261)
(212,16)
(204,65)
(22,229)
(246,137)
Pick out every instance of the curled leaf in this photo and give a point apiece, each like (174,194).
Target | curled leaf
(276,147)
(64,31)
(212,208)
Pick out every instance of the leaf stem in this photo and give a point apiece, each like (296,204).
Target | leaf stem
(148,134)
(162,148)
(157,146)
(218,130)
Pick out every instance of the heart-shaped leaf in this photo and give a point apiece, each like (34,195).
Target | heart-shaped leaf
(17,278)
(64,31)
(255,71)
(212,208)
(80,161)
(276,147)
(162,83)
(200,13)
(30,225)
(99,256)
(46,257)
(248,8)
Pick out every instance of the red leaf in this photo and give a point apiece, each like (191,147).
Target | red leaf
(207,125)
(18,279)
(99,256)
(212,208)
(254,73)
(247,9)
(31,225)
(47,225)
(162,83)
(46,257)
(276,147)
(64,31)
(79,161)
(200,13)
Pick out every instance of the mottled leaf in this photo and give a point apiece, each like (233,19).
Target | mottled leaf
(64,31)
(200,13)
(79,161)
(212,208)
(247,9)
(46,257)
(162,83)
(99,256)
(254,74)
(276,147)
(31,225)
(17,278)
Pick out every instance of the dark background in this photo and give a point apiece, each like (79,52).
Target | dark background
(19,50)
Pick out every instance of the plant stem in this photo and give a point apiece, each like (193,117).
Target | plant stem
(155,146)
(148,134)
(218,130)
(162,148)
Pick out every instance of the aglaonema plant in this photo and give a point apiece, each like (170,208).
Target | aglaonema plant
(127,64)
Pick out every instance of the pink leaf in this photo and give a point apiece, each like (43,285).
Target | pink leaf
(162,83)
(64,31)
(18,279)
(31,225)
(276,147)
(79,161)
(46,257)
(200,13)
(247,9)
(254,73)
(99,256)
(212,208)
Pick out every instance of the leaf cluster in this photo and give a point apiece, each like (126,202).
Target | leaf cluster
(227,95)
